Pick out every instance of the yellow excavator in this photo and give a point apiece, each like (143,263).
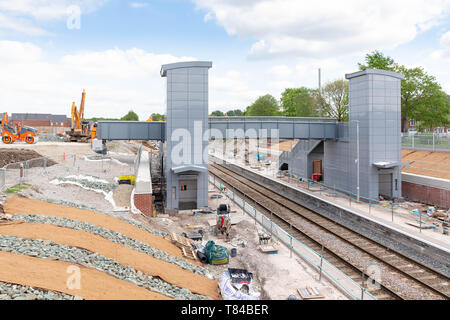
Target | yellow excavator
(80,130)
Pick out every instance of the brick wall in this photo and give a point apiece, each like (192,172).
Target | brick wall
(32,123)
(144,203)
(61,124)
(425,194)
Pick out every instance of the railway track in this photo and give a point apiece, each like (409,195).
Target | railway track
(407,279)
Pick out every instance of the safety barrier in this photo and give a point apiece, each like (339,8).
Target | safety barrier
(433,142)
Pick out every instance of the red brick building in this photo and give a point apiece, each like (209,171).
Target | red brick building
(48,123)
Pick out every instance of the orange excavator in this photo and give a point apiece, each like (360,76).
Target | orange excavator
(80,130)
(11,134)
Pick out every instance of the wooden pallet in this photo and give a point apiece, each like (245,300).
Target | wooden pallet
(189,254)
(268,249)
(179,241)
(309,293)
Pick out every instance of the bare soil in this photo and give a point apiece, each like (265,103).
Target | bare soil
(53,275)
(128,257)
(17,205)
(8,156)
(427,163)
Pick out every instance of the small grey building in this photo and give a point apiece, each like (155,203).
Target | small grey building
(375,125)
(186,156)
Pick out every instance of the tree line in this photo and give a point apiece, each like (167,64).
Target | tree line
(132,116)
(422,98)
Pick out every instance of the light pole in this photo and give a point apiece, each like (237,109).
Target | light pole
(357,156)
(357,160)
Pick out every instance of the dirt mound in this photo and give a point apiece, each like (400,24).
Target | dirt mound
(8,156)
(427,163)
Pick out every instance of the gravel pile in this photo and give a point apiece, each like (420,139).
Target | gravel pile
(113,236)
(91,184)
(51,250)
(10,291)
(83,207)
(98,157)
(50,138)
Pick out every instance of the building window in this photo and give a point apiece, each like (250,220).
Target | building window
(412,123)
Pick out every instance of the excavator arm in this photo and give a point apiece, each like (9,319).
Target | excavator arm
(76,123)
(83,98)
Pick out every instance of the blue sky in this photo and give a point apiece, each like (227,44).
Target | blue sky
(257,47)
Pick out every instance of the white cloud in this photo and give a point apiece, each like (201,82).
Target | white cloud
(138,4)
(24,16)
(20,25)
(115,80)
(131,63)
(445,39)
(231,90)
(439,62)
(18,52)
(209,16)
(442,54)
(281,85)
(305,28)
(280,71)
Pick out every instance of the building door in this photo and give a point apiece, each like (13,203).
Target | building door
(385,185)
(188,194)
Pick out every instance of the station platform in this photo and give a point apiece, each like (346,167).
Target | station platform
(429,241)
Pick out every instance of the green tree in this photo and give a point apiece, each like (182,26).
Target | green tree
(96,119)
(264,106)
(130,116)
(158,117)
(422,99)
(217,113)
(377,60)
(298,103)
(333,100)
(422,96)
(235,113)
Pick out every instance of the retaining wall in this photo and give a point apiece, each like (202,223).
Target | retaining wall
(428,190)
(431,255)
(143,184)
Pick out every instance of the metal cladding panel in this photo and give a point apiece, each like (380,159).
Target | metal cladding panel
(301,130)
(269,126)
(330,131)
(130,130)
(286,130)
(252,126)
(317,131)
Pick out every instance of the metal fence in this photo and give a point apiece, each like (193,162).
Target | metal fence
(432,141)
(424,221)
(320,189)
(49,168)
(316,260)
